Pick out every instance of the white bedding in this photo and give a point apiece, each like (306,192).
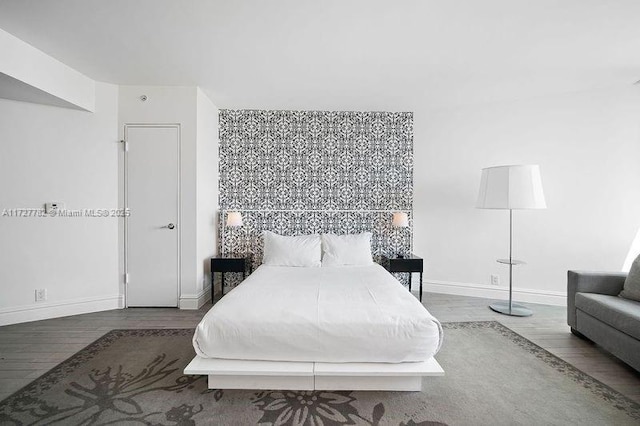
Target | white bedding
(328,314)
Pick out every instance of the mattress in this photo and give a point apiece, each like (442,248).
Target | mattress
(327,314)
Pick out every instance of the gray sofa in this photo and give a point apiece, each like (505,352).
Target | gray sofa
(596,312)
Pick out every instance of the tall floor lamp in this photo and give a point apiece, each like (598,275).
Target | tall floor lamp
(511,188)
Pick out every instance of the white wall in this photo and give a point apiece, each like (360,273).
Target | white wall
(57,154)
(207,188)
(588,148)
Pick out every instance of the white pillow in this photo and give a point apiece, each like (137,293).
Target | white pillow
(349,249)
(303,250)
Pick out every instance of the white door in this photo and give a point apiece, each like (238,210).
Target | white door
(152,228)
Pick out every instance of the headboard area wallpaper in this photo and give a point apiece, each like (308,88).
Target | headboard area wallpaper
(302,172)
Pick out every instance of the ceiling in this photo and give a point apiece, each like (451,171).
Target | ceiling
(341,54)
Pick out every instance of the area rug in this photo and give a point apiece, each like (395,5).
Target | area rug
(493,377)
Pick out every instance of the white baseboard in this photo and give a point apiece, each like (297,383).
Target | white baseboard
(46,310)
(547,297)
(195,301)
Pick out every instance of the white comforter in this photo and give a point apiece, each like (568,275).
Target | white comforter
(337,314)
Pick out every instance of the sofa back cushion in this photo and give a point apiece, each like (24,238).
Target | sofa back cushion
(631,288)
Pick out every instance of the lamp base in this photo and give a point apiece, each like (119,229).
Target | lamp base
(515,311)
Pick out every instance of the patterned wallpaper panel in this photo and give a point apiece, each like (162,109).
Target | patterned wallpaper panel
(301,172)
(386,239)
(302,160)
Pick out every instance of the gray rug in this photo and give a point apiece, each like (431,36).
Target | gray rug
(493,377)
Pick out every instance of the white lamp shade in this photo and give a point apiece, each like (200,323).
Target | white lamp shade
(511,187)
(234,219)
(400,220)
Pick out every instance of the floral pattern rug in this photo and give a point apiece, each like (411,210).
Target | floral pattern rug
(493,376)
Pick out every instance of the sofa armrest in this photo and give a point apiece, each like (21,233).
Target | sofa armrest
(610,283)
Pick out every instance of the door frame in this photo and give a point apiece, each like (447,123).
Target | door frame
(125,197)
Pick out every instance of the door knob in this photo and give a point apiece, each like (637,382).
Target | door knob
(171,226)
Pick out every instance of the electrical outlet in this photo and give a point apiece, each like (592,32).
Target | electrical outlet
(41,294)
(495,279)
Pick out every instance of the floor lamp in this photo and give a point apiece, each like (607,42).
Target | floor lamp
(511,188)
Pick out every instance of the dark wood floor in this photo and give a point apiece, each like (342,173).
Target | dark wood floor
(28,350)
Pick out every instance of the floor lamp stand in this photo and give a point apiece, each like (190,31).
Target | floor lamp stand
(510,308)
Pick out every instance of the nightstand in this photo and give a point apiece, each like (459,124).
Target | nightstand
(410,263)
(226,264)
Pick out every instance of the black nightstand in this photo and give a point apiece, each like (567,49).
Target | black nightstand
(226,264)
(410,263)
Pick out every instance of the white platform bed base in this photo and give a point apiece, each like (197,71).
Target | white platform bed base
(241,374)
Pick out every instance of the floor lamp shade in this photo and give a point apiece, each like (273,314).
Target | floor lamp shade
(511,188)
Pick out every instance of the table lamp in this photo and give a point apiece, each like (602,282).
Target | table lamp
(400,220)
(234,220)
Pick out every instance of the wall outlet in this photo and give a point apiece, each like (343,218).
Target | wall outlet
(495,279)
(41,294)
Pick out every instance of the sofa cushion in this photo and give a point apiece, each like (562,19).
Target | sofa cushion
(619,313)
(631,288)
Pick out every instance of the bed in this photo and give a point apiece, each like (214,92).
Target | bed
(344,327)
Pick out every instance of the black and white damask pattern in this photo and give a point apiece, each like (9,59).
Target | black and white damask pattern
(314,160)
(302,172)
(386,239)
